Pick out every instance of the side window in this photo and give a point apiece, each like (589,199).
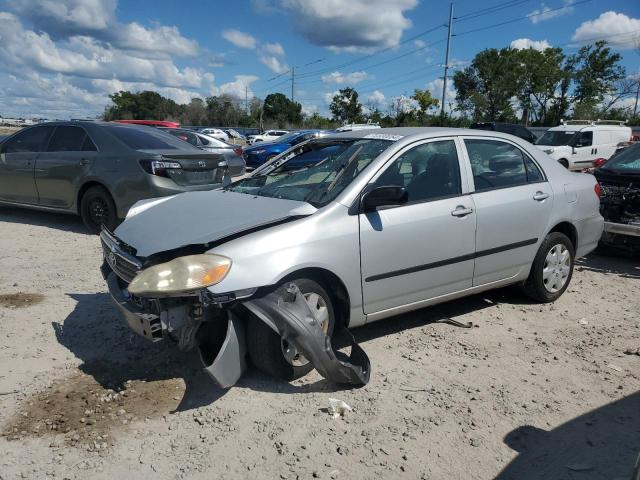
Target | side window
(67,139)
(534,175)
(428,171)
(495,164)
(585,139)
(31,140)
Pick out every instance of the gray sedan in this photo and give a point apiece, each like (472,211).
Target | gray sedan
(98,170)
(381,222)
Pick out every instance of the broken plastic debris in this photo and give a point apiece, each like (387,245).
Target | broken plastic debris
(338,408)
(583,321)
(287,310)
(615,367)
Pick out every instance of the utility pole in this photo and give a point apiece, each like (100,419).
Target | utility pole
(635,107)
(246,100)
(446,61)
(293,73)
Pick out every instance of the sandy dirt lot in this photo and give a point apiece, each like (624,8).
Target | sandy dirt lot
(529,392)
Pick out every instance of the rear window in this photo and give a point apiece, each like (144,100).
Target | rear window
(627,160)
(144,138)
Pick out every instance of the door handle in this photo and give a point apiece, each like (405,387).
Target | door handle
(461,211)
(540,196)
(84,161)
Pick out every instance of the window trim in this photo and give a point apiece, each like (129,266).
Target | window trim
(464,178)
(545,179)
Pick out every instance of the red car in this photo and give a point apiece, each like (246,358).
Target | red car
(151,123)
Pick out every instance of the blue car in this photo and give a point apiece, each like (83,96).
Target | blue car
(261,153)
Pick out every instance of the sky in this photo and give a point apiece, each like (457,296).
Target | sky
(62,58)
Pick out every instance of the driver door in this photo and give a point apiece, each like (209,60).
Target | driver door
(425,248)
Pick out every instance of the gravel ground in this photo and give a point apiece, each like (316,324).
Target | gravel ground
(530,392)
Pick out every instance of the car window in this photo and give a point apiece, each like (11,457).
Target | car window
(67,139)
(497,164)
(556,138)
(30,140)
(585,139)
(428,171)
(143,138)
(625,161)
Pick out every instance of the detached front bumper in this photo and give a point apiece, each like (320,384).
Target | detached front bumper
(221,343)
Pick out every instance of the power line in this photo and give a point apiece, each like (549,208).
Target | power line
(489,10)
(506,22)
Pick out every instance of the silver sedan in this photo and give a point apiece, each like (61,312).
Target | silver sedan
(365,225)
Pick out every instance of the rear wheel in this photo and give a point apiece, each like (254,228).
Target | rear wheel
(275,356)
(97,208)
(552,269)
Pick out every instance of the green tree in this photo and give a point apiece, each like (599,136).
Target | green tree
(484,89)
(597,70)
(425,101)
(345,106)
(146,105)
(278,108)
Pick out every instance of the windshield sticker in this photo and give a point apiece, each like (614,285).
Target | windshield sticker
(384,136)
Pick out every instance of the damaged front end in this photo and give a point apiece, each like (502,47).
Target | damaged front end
(214,324)
(620,207)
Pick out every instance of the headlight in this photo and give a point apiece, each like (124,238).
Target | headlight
(182,274)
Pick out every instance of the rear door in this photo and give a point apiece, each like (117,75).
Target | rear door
(60,168)
(17,163)
(513,202)
(424,248)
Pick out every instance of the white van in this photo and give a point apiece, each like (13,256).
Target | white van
(577,143)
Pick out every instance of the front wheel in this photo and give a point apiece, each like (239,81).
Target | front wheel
(552,269)
(275,356)
(97,208)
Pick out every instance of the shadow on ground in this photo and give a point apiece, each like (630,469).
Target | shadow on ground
(60,221)
(622,265)
(601,444)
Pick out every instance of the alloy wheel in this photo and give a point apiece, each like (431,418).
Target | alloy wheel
(557,266)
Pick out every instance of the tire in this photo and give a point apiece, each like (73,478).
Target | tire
(564,162)
(558,276)
(97,208)
(266,347)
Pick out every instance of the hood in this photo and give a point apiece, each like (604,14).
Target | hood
(200,217)
(267,146)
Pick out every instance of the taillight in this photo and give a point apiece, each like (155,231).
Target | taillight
(238,151)
(598,189)
(598,162)
(159,167)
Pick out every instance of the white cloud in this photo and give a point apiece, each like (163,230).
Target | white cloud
(420,43)
(274,49)
(63,19)
(352,78)
(617,28)
(237,87)
(435,88)
(376,98)
(352,25)
(328,96)
(404,104)
(308,110)
(525,43)
(239,39)
(274,64)
(545,13)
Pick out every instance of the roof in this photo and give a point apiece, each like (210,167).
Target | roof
(401,132)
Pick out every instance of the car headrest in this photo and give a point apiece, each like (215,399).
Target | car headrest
(506,163)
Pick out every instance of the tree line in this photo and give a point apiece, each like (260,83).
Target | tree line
(527,86)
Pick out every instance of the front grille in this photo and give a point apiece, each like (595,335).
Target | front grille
(123,264)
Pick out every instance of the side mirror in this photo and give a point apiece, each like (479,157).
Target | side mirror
(384,196)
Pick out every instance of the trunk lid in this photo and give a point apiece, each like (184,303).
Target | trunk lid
(198,167)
